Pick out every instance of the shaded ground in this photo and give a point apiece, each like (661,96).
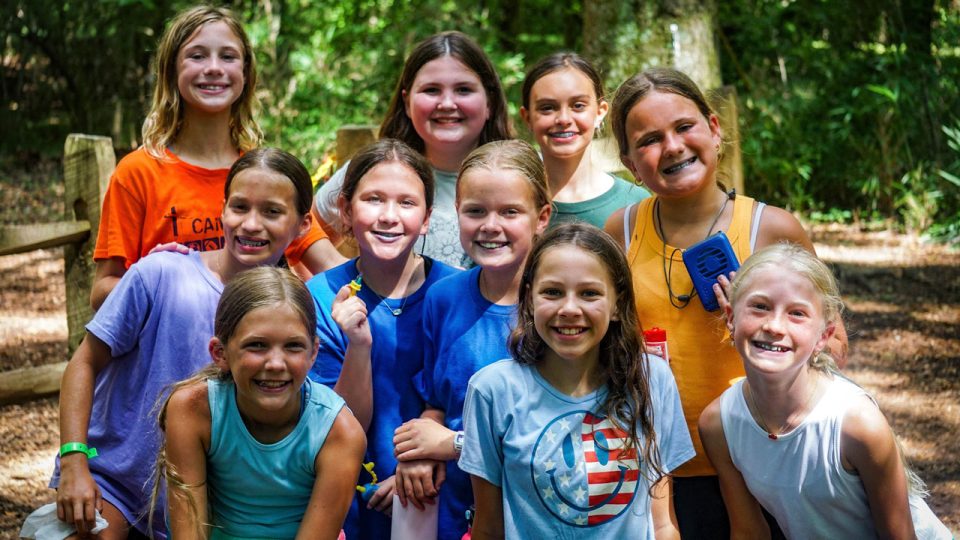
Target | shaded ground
(903,316)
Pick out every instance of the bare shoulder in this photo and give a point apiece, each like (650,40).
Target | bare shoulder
(778,225)
(347,433)
(864,423)
(189,402)
(710,423)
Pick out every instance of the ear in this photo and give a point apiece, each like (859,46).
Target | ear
(316,346)
(715,129)
(305,224)
(543,219)
(628,163)
(218,354)
(525,115)
(426,223)
(343,205)
(602,108)
(728,313)
(825,336)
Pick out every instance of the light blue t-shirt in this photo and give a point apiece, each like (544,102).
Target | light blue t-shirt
(396,357)
(157,322)
(560,466)
(442,241)
(463,332)
(262,490)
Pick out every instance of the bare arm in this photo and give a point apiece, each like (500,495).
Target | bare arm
(661,507)
(488,523)
(867,445)
(746,517)
(422,446)
(337,465)
(78,495)
(355,383)
(186,444)
(107,275)
(321,256)
(614,227)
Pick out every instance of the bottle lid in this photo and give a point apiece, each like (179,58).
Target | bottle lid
(655,334)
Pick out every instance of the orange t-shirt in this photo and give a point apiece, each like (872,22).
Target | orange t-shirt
(702,358)
(150,202)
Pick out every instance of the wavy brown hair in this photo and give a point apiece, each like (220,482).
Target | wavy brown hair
(165,118)
(622,363)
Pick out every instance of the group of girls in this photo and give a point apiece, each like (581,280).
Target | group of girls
(577,432)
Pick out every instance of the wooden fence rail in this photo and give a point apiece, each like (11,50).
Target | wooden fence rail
(88,161)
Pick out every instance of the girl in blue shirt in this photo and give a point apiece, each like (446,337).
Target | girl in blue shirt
(369,309)
(253,448)
(575,436)
(503,204)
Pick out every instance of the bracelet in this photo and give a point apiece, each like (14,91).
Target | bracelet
(78,447)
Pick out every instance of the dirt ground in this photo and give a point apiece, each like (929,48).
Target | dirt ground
(903,315)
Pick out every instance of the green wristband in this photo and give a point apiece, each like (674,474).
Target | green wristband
(75,447)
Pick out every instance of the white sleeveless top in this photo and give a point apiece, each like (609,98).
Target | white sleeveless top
(799,477)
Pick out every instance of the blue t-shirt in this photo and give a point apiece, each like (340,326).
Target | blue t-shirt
(561,467)
(157,322)
(463,332)
(262,490)
(396,357)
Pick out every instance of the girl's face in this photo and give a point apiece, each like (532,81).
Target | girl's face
(447,105)
(672,148)
(210,68)
(388,211)
(498,217)
(260,217)
(268,357)
(564,112)
(777,323)
(574,300)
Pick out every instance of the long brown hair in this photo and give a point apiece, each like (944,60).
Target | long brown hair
(396,123)
(622,363)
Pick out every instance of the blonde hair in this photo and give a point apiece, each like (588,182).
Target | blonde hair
(165,118)
(510,155)
(260,287)
(793,257)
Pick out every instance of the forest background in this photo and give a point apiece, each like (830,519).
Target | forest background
(848,110)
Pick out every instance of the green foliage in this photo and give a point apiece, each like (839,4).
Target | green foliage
(843,102)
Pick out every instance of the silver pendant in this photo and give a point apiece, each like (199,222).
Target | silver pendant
(396,312)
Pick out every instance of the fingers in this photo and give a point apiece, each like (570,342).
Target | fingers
(440,476)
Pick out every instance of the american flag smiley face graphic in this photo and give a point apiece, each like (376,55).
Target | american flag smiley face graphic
(582,471)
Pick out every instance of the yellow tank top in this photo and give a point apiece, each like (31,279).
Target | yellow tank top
(701,356)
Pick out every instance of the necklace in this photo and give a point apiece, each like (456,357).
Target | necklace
(783,428)
(681,301)
(395,311)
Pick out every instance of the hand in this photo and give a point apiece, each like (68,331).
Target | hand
(170,246)
(419,481)
(422,438)
(78,495)
(350,314)
(721,289)
(382,498)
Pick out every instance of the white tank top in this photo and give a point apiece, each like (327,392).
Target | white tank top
(799,477)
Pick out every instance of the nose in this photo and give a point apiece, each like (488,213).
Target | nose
(389,213)
(446,100)
(563,116)
(252,222)
(491,223)
(213,65)
(672,143)
(774,324)
(569,306)
(274,359)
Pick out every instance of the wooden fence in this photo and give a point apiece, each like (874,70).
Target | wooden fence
(88,162)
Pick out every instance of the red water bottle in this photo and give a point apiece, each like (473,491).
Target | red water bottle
(656,341)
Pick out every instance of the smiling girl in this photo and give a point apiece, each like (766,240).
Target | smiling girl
(151,332)
(371,344)
(269,452)
(447,102)
(503,204)
(670,140)
(575,436)
(201,120)
(564,107)
(797,437)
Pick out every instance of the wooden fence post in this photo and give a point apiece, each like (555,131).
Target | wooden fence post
(88,162)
